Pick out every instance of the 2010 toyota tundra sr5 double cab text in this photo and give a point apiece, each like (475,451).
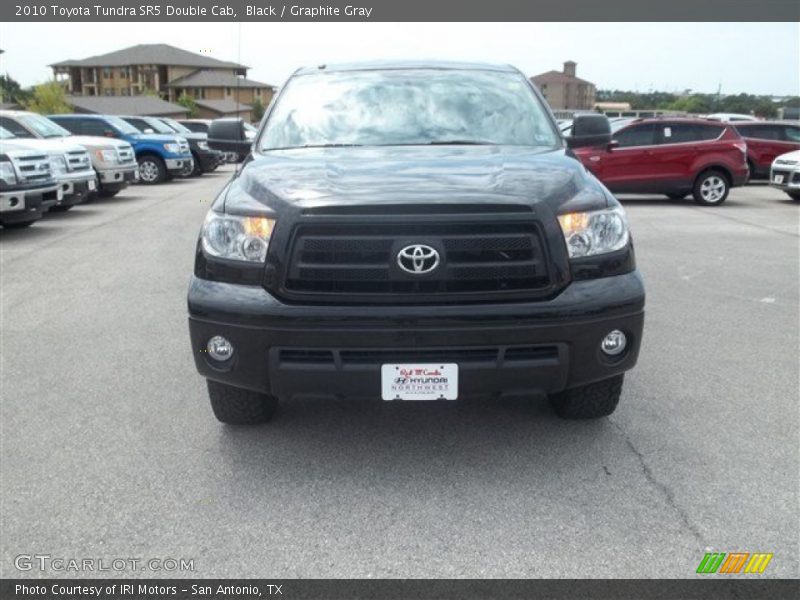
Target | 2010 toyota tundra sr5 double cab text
(413,232)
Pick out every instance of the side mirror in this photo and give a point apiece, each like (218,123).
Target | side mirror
(590,130)
(148,130)
(228,135)
(613,144)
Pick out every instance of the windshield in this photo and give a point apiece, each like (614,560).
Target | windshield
(44,127)
(122,125)
(176,126)
(5,134)
(408,107)
(157,125)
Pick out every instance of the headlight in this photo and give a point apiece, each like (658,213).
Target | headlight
(237,238)
(202,145)
(106,155)
(58,165)
(173,148)
(7,173)
(595,232)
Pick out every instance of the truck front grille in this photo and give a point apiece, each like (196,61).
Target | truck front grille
(33,167)
(374,357)
(358,263)
(78,161)
(125,155)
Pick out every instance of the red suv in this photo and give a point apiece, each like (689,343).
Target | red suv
(766,141)
(675,157)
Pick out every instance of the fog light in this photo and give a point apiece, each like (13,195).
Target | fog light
(614,343)
(219,348)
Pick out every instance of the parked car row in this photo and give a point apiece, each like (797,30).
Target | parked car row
(59,161)
(678,156)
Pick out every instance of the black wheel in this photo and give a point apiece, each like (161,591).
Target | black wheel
(240,407)
(186,170)
(711,188)
(676,195)
(197,170)
(19,224)
(107,193)
(590,401)
(151,169)
(794,196)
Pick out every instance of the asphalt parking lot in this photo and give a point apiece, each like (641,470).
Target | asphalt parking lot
(109,448)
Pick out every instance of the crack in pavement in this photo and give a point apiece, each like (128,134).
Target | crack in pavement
(662,487)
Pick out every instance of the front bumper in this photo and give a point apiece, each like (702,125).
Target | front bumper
(75,189)
(27,205)
(209,159)
(536,347)
(177,164)
(119,178)
(785,177)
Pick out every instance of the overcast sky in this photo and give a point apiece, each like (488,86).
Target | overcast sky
(759,58)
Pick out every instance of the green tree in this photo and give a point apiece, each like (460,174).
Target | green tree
(258,109)
(47,98)
(189,104)
(9,89)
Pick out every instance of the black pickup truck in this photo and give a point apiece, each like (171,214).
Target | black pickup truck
(413,231)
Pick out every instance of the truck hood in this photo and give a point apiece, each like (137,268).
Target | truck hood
(157,138)
(55,145)
(96,142)
(195,135)
(315,178)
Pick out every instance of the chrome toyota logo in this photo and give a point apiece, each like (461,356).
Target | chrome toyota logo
(418,259)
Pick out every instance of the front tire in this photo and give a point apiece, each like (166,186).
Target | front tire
(794,196)
(590,401)
(152,169)
(197,169)
(711,188)
(236,406)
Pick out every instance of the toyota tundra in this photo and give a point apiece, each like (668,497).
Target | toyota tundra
(413,231)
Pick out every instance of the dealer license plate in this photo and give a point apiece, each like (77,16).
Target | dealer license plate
(777,179)
(419,381)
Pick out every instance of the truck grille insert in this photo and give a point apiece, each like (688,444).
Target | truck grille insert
(357,263)
(371,357)
(33,167)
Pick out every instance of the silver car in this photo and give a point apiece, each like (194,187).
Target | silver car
(784,174)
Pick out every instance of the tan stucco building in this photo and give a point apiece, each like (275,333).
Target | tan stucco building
(166,70)
(564,90)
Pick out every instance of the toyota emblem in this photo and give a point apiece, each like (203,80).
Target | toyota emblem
(418,259)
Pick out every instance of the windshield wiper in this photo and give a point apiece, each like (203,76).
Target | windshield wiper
(312,146)
(459,143)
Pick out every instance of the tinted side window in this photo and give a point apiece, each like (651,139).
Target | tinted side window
(14,127)
(93,127)
(636,135)
(709,132)
(140,124)
(677,133)
(761,132)
(71,125)
(197,127)
(792,133)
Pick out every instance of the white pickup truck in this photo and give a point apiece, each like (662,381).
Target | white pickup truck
(113,160)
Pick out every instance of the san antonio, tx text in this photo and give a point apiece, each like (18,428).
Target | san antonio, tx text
(135,589)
